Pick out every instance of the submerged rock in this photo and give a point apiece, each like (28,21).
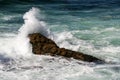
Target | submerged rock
(44,46)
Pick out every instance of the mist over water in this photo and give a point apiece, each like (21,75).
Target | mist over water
(94,31)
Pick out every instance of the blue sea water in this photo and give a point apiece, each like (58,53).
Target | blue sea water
(91,27)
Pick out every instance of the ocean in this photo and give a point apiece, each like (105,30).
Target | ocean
(88,26)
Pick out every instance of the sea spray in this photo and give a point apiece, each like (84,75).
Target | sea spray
(32,24)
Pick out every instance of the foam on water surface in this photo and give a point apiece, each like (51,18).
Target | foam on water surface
(17,61)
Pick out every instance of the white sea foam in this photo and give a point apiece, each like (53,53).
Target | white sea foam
(47,67)
(66,40)
(32,24)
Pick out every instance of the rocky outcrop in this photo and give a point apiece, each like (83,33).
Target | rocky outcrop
(44,46)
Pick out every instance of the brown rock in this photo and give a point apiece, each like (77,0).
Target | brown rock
(44,46)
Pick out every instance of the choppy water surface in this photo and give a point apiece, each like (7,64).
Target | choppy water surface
(89,27)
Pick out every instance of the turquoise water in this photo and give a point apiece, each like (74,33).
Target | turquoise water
(93,30)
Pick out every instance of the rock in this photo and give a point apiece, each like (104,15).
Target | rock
(44,46)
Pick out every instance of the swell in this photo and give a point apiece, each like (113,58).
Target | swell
(65,5)
(94,3)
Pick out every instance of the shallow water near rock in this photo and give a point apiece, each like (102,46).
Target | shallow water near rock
(88,27)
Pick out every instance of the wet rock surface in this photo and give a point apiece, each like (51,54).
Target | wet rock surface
(44,46)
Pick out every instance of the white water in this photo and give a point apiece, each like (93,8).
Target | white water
(17,61)
(32,24)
